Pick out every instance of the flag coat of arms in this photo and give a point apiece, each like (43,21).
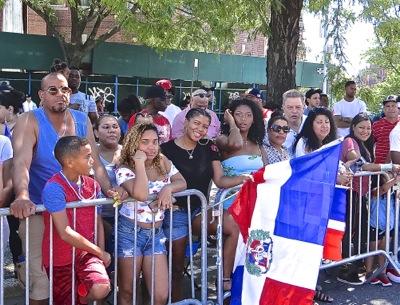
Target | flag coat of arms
(283,217)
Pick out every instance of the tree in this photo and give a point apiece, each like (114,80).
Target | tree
(166,24)
(282,49)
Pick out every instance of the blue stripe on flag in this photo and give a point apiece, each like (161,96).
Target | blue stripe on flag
(237,284)
(306,196)
(338,209)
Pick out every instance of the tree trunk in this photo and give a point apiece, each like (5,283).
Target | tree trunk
(282,50)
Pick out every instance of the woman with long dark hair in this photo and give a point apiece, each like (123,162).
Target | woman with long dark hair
(358,154)
(241,141)
(318,129)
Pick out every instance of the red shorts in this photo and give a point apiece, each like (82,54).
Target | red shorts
(89,270)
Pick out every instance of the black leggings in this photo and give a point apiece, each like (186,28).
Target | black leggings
(14,240)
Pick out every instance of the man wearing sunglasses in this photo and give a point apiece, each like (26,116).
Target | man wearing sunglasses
(79,100)
(35,135)
(200,99)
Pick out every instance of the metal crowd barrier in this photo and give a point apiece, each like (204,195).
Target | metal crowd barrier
(98,202)
(218,211)
(391,251)
(359,248)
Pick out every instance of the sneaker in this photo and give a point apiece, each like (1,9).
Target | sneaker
(384,280)
(349,278)
(393,275)
(374,281)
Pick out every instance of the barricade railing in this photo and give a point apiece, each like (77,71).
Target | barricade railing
(356,250)
(217,212)
(359,242)
(99,202)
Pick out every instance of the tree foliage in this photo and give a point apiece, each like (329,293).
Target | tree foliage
(163,24)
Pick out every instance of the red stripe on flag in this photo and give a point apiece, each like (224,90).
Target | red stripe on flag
(278,293)
(332,244)
(243,206)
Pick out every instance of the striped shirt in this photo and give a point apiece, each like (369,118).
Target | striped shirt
(381,130)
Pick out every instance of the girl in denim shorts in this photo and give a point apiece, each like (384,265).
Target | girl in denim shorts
(144,171)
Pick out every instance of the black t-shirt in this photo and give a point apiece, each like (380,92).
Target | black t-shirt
(197,171)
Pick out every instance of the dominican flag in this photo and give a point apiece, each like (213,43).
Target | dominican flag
(283,218)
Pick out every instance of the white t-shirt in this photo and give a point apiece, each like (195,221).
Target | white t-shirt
(86,102)
(348,110)
(291,136)
(6,151)
(28,106)
(300,148)
(144,211)
(171,112)
(394,138)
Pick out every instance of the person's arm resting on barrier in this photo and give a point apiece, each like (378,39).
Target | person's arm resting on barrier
(24,141)
(53,198)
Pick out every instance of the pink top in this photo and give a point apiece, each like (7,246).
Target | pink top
(348,145)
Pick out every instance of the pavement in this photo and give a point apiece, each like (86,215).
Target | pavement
(343,294)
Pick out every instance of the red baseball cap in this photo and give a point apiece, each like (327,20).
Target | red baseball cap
(164,83)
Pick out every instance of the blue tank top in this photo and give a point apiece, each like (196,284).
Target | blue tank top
(44,165)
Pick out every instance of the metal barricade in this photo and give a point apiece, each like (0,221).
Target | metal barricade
(218,212)
(98,202)
(391,251)
(360,244)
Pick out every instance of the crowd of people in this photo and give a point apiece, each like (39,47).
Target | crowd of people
(63,151)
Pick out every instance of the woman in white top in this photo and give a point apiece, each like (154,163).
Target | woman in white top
(318,130)
(108,134)
(144,171)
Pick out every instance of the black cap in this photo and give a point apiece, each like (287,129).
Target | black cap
(155,92)
(312,91)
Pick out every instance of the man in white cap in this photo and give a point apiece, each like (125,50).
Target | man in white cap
(199,99)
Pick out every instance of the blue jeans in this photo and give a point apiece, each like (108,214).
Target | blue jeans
(180,223)
(144,247)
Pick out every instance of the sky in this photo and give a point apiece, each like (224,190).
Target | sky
(359,39)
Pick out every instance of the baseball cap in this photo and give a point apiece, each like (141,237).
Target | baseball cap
(155,92)
(254,91)
(199,91)
(390,98)
(164,83)
(312,91)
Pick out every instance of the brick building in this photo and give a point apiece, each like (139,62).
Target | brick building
(34,24)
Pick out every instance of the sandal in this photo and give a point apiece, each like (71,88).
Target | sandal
(322,297)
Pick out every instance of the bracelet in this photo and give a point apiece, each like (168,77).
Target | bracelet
(386,167)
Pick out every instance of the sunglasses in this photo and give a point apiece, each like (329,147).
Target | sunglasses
(278,128)
(54,90)
(202,95)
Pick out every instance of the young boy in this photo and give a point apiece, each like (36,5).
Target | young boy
(73,184)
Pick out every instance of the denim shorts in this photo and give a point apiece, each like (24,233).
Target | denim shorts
(126,236)
(180,223)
